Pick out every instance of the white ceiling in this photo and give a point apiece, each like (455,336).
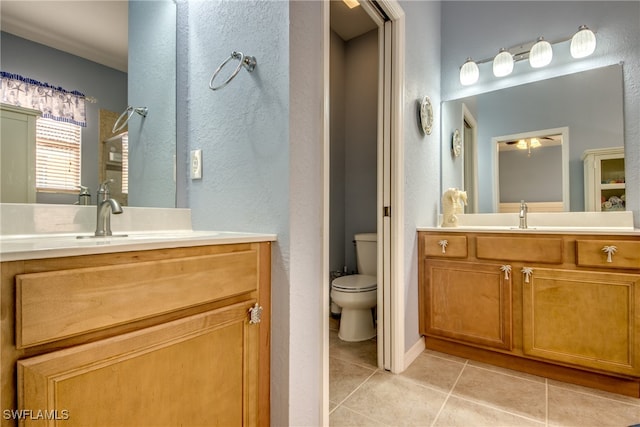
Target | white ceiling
(349,23)
(98,29)
(93,29)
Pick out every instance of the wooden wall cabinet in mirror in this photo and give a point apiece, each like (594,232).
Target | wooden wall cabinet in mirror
(604,180)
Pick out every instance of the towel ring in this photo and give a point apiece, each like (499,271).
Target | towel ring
(249,62)
(128,112)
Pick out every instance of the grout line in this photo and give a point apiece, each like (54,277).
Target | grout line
(353,362)
(499,409)
(354,390)
(504,371)
(446,399)
(593,394)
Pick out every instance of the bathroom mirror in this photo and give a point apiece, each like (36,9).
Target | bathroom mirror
(534,167)
(151,83)
(589,104)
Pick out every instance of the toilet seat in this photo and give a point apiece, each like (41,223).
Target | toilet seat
(355,283)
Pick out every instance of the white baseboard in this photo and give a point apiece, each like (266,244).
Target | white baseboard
(414,352)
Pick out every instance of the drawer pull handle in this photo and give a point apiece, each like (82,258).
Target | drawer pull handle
(609,250)
(443,244)
(527,271)
(507,270)
(255,314)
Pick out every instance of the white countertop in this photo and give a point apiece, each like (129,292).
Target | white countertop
(535,230)
(22,247)
(620,223)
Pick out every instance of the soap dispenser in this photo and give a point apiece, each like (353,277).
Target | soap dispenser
(84,198)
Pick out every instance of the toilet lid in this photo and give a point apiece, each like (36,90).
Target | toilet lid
(355,283)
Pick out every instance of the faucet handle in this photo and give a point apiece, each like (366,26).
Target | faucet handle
(104,186)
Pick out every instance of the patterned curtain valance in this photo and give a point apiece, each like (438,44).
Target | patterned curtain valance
(55,102)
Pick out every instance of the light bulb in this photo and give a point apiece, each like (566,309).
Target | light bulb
(583,43)
(502,63)
(540,54)
(469,73)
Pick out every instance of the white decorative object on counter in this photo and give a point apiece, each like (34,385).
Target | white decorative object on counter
(451,200)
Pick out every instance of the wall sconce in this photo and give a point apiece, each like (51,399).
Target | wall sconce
(539,54)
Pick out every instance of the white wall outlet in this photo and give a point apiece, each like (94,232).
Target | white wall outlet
(196,164)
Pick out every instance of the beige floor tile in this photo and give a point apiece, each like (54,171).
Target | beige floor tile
(343,417)
(507,371)
(396,401)
(445,356)
(508,393)
(345,377)
(435,372)
(571,408)
(364,353)
(458,412)
(601,393)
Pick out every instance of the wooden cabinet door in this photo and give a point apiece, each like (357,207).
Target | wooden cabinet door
(201,370)
(468,302)
(583,318)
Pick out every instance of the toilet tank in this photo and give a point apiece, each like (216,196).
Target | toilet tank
(367,253)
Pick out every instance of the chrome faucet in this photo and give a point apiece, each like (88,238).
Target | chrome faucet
(523,214)
(105,206)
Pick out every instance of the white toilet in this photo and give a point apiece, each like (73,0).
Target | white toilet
(357,294)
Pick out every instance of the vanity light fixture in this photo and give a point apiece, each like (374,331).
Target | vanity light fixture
(469,72)
(583,43)
(539,53)
(503,63)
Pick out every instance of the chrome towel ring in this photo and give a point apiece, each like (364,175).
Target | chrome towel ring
(128,112)
(249,62)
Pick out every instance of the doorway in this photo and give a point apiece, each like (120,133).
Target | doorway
(388,18)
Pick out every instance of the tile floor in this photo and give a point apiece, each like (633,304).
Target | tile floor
(442,390)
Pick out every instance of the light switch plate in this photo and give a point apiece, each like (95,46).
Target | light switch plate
(196,164)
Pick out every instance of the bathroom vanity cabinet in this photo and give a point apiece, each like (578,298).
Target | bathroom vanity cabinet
(555,305)
(153,337)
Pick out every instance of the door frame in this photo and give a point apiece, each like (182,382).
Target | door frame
(391,354)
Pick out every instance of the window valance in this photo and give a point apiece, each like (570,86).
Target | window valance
(54,102)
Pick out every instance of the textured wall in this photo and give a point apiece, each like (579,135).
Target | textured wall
(421,154)
(478,29)
(152,83)
(243,131)
(337,161)
(58,68)
(361,141)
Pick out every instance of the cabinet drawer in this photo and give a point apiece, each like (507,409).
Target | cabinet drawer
(60,304)
(527,249)
(593,253)
(445,246)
